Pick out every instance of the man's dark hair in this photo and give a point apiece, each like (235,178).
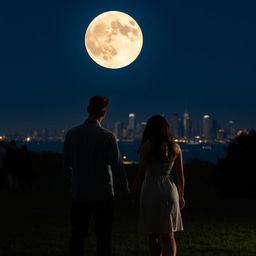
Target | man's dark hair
(96,105)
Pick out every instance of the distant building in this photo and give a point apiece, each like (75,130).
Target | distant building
(175,126)
(124,132)
(34,134)
(118,130)
(207,127)
(143,125)
(231,131)
(186,125)
(215,127)
(138,131)
(45,133)
(196,129)
(130,132)
(220,135)
(131,121)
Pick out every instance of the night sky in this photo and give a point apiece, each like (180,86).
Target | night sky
(196,54)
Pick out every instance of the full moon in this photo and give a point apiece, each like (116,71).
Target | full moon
(113,39)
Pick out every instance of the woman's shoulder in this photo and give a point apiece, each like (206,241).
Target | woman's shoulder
(176,147)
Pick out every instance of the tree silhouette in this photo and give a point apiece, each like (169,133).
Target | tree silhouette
(237,172)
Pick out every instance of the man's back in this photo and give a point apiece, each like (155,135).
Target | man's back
(90,150)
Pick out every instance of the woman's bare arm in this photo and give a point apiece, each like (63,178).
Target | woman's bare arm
(180,177)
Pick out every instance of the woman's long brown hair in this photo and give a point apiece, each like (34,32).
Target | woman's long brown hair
(157,131)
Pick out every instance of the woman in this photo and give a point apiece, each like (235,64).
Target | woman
(160,200)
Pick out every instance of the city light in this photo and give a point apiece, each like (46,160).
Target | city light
(183,129)
(2,138)
(130,162)
(28,139)
(239,132)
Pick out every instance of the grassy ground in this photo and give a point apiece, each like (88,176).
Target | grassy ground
(38,224)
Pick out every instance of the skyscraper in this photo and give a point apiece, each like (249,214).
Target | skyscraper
(207,128)
(196,129)
(231,131)
(131,127)
(45,133)
(118,130)
(139,130)
(175,126)
(131,121)
(34,134)
(143,125)
(186,125)
(215,127)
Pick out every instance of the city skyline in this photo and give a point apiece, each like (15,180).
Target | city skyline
(110,120)
(197,54)
(183,128)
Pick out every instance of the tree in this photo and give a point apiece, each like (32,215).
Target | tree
(236,174)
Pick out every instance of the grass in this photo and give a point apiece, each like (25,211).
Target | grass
(38,224)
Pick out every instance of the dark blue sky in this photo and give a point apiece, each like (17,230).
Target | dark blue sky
(196,53)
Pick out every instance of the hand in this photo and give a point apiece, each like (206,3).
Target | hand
(182,202)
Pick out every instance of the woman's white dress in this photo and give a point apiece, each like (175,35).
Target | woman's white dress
(159,201)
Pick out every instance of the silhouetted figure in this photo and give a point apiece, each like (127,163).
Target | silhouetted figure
(160,198)
(25,169)
(2,165)
(91,153)
(13,166)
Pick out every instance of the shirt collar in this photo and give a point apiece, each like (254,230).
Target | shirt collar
(92,122)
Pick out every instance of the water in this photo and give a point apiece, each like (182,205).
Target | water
(206,152)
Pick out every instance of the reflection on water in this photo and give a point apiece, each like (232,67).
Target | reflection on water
(206,152)
(207,147)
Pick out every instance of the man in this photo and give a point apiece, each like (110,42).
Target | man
(92,155)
